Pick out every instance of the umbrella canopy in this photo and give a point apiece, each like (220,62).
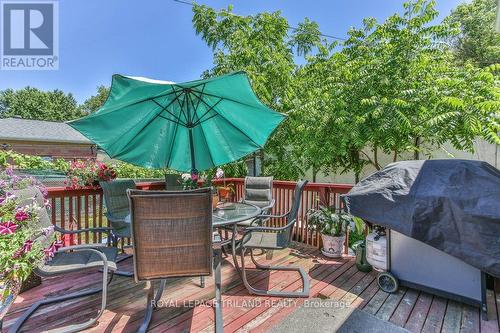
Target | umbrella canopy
(187,126)
(452,205)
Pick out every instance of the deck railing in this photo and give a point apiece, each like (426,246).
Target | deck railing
(83,208)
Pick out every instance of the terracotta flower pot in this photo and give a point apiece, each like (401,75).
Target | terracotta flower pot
(333,247)
(224,192)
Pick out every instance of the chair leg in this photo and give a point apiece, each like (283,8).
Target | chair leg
(219,324)
(202,282)
(252,290)
(152,301)
(70,328)
(233,250)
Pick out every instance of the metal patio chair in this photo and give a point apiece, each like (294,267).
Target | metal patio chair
(67,260)
(172,237)
(117,209)
(273,238)
(258,192)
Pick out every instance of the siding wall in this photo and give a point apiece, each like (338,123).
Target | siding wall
(51,149)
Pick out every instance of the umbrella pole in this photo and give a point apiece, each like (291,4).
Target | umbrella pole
(191,147)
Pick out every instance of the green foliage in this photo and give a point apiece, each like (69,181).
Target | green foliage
(32,103)
(127,170)
(93,103)
(393,87)
(327,221)
(262,46)
(478,41)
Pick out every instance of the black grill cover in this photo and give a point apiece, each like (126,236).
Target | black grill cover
(452,205)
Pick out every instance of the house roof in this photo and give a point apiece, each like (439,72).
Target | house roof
(18,129)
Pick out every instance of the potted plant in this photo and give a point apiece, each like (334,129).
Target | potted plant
(189,181)
(224,191)
(83,174)
(20,250)
(332,226)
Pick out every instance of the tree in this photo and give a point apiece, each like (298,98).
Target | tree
(478,41)
(262,46)
(393,88)
(32,103)
(93,103)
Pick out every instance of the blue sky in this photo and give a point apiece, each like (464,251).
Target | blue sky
(155,38)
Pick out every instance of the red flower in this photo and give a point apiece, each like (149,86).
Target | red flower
(7,228)
(21,215)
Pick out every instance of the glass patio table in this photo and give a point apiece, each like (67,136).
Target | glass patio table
(228,215)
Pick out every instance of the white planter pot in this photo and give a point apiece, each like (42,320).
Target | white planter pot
(333,247)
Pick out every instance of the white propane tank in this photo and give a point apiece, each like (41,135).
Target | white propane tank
(376,251)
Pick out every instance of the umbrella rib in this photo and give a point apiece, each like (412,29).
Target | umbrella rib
(239,129)
(210,109)
(149,122)
(194,110)
(182,109)
(173,115)
(173,139)
(229,99)
(202,89)
(175,122)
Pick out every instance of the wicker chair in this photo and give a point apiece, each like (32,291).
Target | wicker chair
(258,192)
(270,238)
(69,259)
(172,237)
(117,209)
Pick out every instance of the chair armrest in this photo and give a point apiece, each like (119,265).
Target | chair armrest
(272,229)
(273,216)
(268,207)
(78,231)
(82,247)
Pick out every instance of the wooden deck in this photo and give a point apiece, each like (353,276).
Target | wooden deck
(335,279)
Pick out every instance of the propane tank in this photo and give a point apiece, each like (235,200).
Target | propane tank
(376,249)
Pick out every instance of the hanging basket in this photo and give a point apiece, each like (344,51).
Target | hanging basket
(31,282)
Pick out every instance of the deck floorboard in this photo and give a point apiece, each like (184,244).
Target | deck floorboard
(188,308)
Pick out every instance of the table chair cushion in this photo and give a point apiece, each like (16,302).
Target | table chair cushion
(76,261)
(267,240)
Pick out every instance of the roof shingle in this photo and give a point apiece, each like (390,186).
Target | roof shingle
(19,129)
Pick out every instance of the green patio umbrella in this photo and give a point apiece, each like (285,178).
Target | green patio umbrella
(187,126)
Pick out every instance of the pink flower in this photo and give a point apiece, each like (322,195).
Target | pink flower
(52,249)
(21,215)
(194,177)
(7,228)
(28,244)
